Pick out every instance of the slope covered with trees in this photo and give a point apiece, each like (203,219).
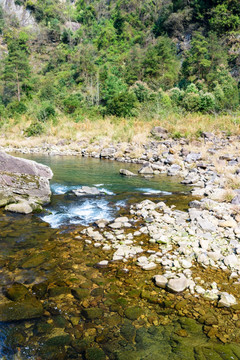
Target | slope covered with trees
(122,58)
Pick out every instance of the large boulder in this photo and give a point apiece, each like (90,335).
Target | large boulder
(24,184)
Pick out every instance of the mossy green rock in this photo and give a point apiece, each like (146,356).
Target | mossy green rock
(59,290)
(92,313)
(95,354)
(80,293)
(13,311)
(34,261)
(133,312)
(128,331)
(16,292)
(40,289)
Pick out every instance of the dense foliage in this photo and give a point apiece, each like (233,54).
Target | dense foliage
(120,57)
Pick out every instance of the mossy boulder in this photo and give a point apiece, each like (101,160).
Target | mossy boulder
(92,313)
(80,294)
(95,353)
(16,292)
(24,310)
(133,312)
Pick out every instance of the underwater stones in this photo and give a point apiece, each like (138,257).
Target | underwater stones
(95,353)
(133,312)
(16,292)
(226,300)
(58,337)
(24,310)
(59,290)
(34,261)
(126,172)
(128,331)
(103,263)
(92,313)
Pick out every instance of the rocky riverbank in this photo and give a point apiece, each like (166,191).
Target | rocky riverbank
(24,184)
(187,262)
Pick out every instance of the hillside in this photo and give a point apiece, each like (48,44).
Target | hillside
(91,59)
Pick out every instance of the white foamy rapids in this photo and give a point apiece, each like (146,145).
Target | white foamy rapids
(58,189)
(82,213)
(149,191)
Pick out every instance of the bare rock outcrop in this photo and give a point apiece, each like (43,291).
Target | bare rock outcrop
(23,182)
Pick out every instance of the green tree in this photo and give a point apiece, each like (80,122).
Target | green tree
(161,65)
(16,72)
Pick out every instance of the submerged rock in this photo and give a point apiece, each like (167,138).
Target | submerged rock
(24,184)
(24,310)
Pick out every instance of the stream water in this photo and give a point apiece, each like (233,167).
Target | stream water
(83,311)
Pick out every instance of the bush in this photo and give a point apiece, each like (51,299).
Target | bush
(122,104)
(142,91)
(35,129)
(176,95)
(72,103)
(16,107)
(207,102)
(46,112)
(191,102)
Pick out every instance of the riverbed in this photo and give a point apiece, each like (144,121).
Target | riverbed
(91,311)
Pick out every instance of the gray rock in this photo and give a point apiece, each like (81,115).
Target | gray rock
(108,152)
(159,132)
(12,164)
(174,170)
(126,172)
(87,190)
(177,284)
(193,157)
(236,200)
(23,181)
(160,281)
(146,170)
(226,300)
(19,12)
(23,207)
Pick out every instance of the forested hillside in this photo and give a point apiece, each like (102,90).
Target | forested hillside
(119,58)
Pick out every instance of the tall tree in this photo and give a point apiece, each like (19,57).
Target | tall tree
(16,73)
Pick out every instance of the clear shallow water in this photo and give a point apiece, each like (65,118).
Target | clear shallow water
(73,172)
(133,319)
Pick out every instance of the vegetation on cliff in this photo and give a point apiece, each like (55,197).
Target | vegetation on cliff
(91,59)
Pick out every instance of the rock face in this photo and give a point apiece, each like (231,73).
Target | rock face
(24,184)
(23,15)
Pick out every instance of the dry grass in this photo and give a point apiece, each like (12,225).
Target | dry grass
(111,130)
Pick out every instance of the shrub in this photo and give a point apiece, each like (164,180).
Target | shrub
(122,104)
(207,102)
(191,101)
(72,103)
(16,107)
(176,95)
(142,91)
(35,129)
(46,112)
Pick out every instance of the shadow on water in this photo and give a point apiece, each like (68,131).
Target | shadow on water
(55,303)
